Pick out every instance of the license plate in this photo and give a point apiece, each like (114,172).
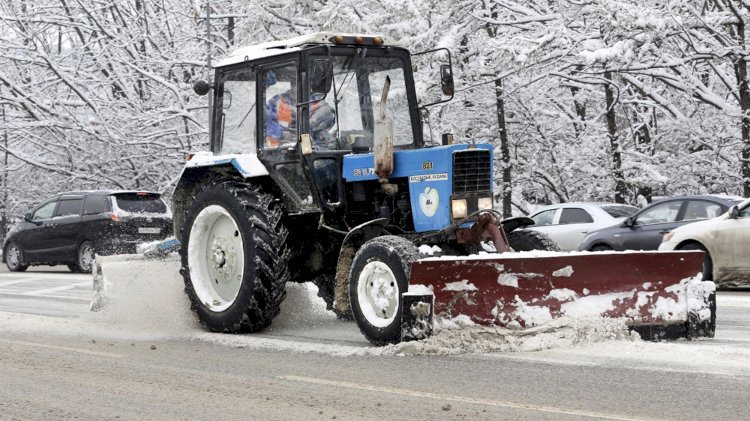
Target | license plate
(148,230)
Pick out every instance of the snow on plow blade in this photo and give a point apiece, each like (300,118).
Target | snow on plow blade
(660,294)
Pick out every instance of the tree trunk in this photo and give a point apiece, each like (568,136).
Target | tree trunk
(614,141)
(504,149)
(740,70)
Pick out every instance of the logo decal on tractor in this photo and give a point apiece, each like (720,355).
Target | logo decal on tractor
(428,201)
(426,165)
(428,177)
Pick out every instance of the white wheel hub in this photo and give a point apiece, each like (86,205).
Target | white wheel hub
(216,258)
(378,294)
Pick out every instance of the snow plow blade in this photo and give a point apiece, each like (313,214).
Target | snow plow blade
(661,295)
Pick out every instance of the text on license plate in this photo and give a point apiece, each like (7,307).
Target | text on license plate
(143,230)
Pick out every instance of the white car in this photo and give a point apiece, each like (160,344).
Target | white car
(568,223)
(726,241)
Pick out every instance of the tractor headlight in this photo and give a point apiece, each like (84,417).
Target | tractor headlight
(485,203)
(458,208)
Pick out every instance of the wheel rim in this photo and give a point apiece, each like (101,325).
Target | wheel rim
(378,294)
(216,258)
(14,256)
(86,257)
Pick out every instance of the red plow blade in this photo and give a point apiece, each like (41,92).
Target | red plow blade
(660,294)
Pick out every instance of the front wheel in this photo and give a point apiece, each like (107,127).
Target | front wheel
(234,257)
(14,258)
(379,276)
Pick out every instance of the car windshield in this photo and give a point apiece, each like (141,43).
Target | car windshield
(140,203)
(356,94)
(619,211)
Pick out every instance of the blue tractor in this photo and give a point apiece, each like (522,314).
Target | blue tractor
(319,171)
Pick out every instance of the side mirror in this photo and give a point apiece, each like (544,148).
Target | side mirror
(27,217)
(734,212)
(201,87)
(321,76)
(629,222)
(446,79)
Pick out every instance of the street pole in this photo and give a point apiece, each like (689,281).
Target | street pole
(208,61)
(4,212)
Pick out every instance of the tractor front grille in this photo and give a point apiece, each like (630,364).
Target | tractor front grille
(472,171)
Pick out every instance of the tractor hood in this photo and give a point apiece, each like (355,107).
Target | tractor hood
(435,175)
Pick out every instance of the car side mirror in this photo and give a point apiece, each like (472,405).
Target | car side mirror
(27,217)
(734,212)
(321,76)
(446,79)
(629,222)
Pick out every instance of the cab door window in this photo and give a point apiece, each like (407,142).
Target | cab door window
(280,106)
(236,100)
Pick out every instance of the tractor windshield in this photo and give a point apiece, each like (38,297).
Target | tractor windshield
(352,105)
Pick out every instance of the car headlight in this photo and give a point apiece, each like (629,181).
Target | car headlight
(458,208)
(485,203)
(668,236)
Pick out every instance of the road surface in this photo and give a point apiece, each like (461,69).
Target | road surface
(146,358)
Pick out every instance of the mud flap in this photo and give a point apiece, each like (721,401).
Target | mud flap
(416,318)
(659,294)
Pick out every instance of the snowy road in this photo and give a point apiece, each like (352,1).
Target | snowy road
(58,360)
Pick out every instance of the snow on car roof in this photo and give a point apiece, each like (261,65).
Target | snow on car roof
(273,48)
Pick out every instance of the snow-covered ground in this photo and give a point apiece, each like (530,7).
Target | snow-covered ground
(151,305)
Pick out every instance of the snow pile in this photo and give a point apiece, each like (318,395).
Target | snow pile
(145,296)
(302,308)
(457,337)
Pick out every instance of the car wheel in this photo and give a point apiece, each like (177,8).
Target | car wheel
(379,276)
(14,258)
(85,258)
(708,263)
(601,247)
(235,257)
(528,240)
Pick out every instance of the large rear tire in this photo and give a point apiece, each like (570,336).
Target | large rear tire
(528,240)
(234,257)
(14,258)
(379,276)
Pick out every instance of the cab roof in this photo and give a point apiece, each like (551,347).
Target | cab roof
(273,48)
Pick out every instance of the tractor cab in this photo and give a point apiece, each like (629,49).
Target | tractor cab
(301,105)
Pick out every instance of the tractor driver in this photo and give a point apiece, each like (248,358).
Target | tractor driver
(281,118)
(281,114)
(281,128)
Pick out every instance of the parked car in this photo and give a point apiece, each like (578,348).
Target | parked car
(645,229)
(725,240)
(568,223)
(70,228)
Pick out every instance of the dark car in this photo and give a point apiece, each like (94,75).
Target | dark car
(645,229)
(71,228)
